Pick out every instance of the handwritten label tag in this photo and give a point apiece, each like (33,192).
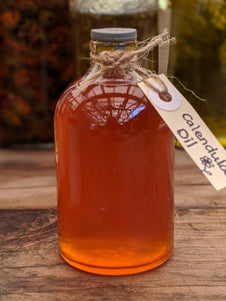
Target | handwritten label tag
(190,130)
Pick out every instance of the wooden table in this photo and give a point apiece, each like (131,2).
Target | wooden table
(30,265)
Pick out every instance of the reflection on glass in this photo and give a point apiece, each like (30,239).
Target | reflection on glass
(115,179)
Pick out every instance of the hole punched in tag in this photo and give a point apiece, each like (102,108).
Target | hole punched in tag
(161,93)
(165,96)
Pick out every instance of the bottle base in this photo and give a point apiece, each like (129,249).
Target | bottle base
(117,271)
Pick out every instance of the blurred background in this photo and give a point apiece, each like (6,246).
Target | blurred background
(44,45)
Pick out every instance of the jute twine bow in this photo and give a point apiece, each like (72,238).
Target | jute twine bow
(128,61)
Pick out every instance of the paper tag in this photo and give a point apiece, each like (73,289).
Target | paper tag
(190,130)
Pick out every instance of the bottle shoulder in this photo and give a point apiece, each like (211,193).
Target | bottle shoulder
(113,81)
(65,96)
(114,103)
(110,90)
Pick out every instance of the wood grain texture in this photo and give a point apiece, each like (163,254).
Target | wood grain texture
(32,269)
(27,180)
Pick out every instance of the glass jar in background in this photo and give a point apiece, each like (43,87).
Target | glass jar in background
(35,66)
(87,14)
(199,58)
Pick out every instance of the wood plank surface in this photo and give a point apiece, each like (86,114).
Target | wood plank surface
(32,269)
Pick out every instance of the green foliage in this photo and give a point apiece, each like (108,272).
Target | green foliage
(199,58)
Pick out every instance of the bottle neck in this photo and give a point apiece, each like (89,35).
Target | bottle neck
(97,47)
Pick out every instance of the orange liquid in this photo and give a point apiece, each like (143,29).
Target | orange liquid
(115,180)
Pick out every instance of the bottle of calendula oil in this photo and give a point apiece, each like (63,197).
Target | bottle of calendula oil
(114,158)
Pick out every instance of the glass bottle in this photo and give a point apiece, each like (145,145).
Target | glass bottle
(35,48)
(114,160)
(88,14)
(199,58)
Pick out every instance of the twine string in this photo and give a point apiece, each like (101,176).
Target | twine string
(128,61)
(186,89)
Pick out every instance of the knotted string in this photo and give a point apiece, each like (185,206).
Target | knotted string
(128,61)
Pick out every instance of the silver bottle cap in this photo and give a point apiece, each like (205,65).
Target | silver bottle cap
(114,34)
